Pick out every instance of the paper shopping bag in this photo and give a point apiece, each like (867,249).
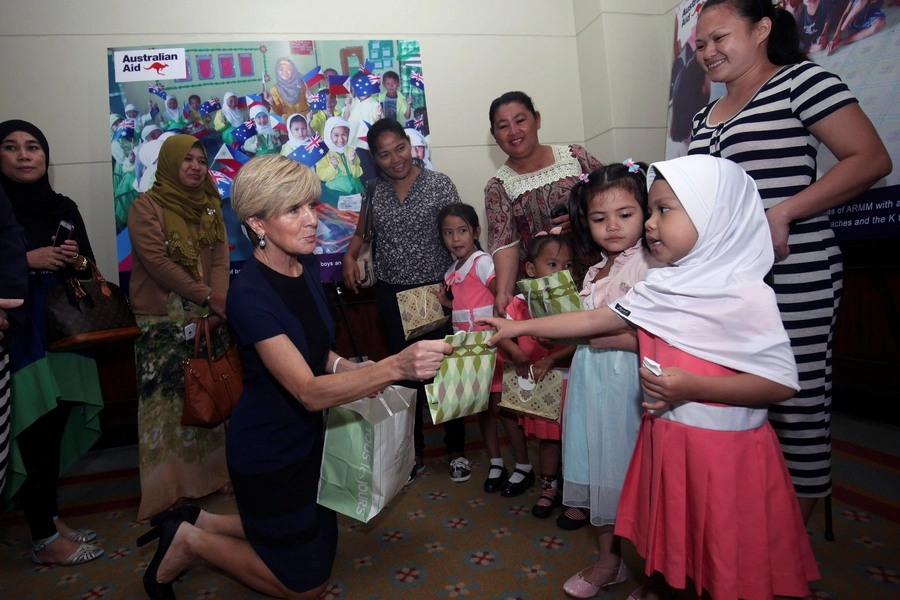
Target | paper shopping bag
(421,311)
(462,386)
(368,453)
(552,295)
(542,399)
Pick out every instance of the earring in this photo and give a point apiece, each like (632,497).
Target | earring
(261,237)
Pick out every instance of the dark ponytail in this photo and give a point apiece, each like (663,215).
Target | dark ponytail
(783,45)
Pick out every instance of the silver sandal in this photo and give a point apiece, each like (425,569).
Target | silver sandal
(80,535)
(86,552)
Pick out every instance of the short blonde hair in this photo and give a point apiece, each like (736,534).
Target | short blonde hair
(268,186)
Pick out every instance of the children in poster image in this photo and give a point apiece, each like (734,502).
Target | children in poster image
(123,155)
(339,170)
(547,254)
(298,133)
(281,82)
(469,288)
(266,140)
(228,118)
(708,375)
(395,106)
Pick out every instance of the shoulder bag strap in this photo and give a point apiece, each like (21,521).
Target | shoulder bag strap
(370,195)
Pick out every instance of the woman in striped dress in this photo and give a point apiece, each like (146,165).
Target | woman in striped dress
(777,109)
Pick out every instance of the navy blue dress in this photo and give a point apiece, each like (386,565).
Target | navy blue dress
(274,445)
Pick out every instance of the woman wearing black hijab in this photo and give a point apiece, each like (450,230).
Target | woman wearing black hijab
(55,396)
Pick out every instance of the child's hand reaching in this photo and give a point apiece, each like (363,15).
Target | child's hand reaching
(351,154)
(542,367)
(506,328)
(522,363)
(334,160)
(442,296)
(674,385)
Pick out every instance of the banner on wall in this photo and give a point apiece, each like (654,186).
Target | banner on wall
(310,100)
(858,42)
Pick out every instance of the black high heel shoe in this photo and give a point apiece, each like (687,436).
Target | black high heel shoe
(186,513)
(165,531)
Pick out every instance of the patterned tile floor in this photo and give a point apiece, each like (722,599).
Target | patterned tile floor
(438,539)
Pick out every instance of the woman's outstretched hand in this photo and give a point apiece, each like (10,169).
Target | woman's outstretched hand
(422,360)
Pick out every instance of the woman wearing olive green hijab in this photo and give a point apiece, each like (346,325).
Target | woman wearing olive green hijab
(179,272)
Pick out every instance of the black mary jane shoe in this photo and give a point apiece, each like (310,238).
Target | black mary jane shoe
(165,531)
(494,484)
(564,521)
(511,490)
(540,511)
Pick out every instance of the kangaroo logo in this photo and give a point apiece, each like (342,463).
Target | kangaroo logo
(158,67)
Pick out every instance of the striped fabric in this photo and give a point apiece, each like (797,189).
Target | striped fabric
(4,414)
(770,139)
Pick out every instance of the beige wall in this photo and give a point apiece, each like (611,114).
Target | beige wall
(569,55)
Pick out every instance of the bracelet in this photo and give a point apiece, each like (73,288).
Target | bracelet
(206,302)
(84,263)
(334,366)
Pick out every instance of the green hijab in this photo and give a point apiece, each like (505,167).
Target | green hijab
(185,207)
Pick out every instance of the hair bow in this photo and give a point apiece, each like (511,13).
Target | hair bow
(555,231)
(632,166)
(583,178)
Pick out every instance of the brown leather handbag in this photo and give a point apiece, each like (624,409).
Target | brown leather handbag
(212,386)
(84,314)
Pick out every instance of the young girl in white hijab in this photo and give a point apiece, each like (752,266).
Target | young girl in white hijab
(339,169)
(172,118)
(419,147)
(706,459)
(298,133)
(266,140)
(228,118)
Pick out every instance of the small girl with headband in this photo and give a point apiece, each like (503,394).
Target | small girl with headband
(603,414)
(707,497)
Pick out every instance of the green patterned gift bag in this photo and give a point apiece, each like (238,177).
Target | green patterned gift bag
(552,295)
(462,386)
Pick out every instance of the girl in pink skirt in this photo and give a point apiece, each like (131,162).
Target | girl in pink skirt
(707,497)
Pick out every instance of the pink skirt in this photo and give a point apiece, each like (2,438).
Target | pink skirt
(717,507)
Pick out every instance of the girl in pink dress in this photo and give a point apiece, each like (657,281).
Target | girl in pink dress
(470,285)
(707,497)
(547,254)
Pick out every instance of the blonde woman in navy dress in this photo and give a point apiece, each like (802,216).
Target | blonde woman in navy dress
(777,109)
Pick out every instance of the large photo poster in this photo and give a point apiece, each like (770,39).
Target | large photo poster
(857,40)
(310,100)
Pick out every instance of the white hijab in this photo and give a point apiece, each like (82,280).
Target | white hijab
(146,131)
(330,124)
(267,129)
(148,154)
(233,115)
(173,114)
(293,141)
(713,303)
(416,140)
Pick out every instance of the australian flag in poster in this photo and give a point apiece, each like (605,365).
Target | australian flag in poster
(223,183)
(245,131)
(317,102)
(418,123)
(158,89)
(416,80)
(210,107)
(125,130)
(311,152)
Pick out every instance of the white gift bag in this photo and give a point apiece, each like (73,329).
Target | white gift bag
(368,453)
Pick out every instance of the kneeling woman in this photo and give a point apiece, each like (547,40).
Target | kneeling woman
(281,543)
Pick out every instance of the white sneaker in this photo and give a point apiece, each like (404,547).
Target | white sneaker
(460,470)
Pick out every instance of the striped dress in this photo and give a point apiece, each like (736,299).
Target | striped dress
(770,139)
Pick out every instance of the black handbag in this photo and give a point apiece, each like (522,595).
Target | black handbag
(84,314)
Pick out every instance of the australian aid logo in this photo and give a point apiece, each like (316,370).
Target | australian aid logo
(149,64)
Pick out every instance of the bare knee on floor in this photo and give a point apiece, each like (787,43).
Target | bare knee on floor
(310,595)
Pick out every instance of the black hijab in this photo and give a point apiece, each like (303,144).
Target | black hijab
(37,208)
